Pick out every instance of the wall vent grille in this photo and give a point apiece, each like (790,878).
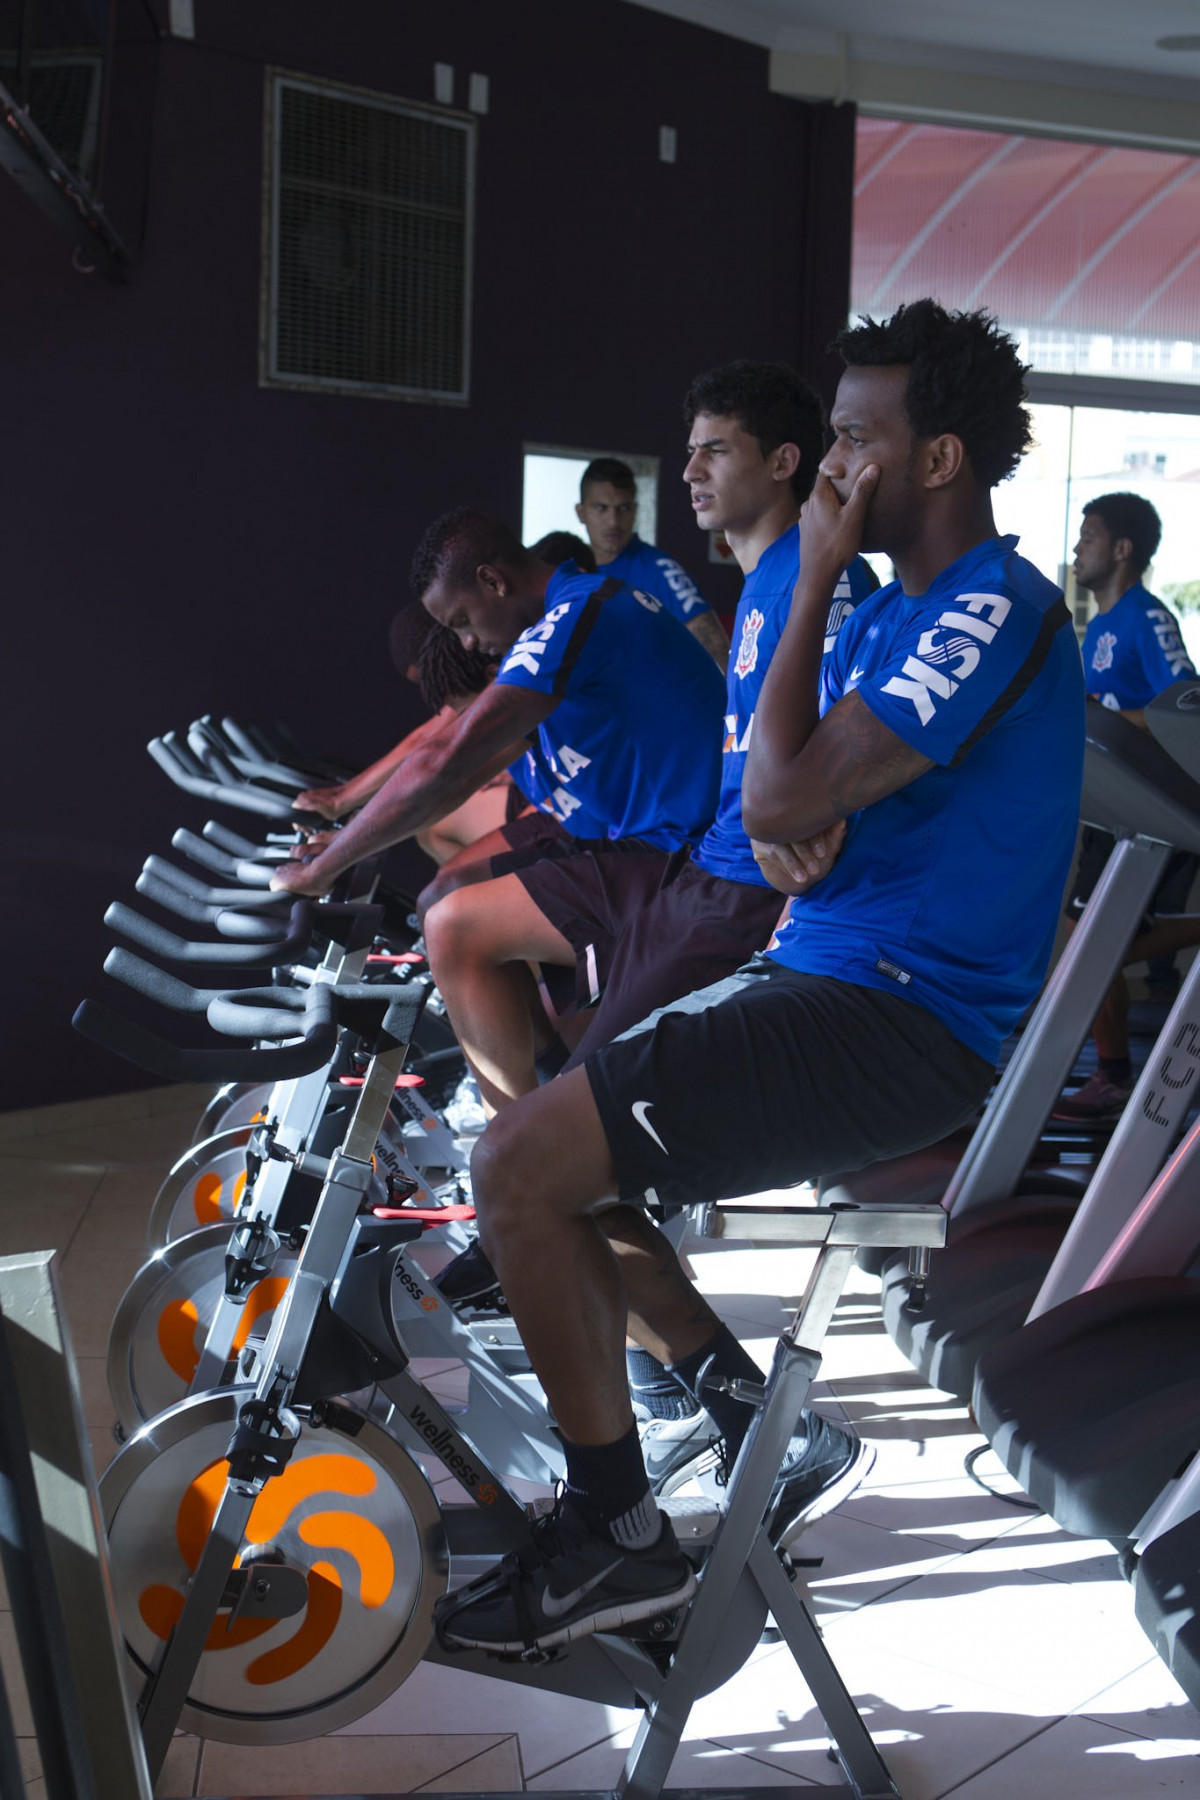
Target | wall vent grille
(369,204)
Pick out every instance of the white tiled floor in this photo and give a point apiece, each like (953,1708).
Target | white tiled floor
(991,1654)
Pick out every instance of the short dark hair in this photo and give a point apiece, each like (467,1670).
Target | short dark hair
(612,470)
(563,546)
(1129,516)
(771,402)
(453,547)
(448,671)
(406,634)
(964,377)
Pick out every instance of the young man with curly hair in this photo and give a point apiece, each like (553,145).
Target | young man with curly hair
(945,730)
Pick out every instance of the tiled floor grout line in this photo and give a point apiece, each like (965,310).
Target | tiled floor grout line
(63,1253)
(465,1763)
(994,1761)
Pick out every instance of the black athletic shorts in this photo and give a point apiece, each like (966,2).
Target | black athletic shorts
(664,932)
(771,1078)
(1095,847)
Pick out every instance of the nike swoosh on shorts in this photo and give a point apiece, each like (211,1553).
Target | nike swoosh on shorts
(639,1109)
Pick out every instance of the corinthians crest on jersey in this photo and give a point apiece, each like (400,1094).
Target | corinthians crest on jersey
(747,656)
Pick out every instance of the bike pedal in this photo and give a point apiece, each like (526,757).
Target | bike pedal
(659,1630)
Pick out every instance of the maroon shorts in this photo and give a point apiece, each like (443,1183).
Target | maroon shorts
(529,837)
(646,928)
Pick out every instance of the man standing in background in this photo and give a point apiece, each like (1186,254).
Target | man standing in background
(1132,651)
(607,511)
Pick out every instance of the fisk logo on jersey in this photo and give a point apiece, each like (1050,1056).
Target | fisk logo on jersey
(949,652)
(680,583)
(1169,641)
(530,647)
(650,601)
(747,656)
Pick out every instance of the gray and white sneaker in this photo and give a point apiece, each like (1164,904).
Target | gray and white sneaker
(565,1583)
(820,1470)
(677,1450)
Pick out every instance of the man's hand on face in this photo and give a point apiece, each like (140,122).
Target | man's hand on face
(327,801)
(831,530)
(795,868)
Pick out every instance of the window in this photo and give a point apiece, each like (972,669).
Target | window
(552,490)
(1089,253)
(1084,451)
(368,230)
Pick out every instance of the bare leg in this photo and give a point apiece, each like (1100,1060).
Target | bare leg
(668,1315)
(1165,933)
(479,939)
(1110,1028)
(467,825)
(540,1173)
(470,864)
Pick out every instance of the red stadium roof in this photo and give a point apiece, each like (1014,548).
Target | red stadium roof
(1052,235)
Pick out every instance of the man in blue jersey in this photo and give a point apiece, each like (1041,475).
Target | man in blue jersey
(642,930)
(620,710)
(646,933)
(607,510)
(1132,650)
(945,736)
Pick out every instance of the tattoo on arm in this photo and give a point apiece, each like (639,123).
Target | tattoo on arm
(857,759)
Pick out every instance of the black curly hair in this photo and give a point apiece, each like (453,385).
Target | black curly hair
(1129,516)
(563,546)
(771,402)
(453,547)
(964,377)
(447,671)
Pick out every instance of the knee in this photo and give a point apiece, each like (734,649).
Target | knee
(450,931)
(504,1181)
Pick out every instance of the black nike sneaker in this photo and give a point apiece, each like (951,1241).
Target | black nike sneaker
(565,1584)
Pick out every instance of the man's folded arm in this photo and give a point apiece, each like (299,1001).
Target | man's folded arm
(850,760)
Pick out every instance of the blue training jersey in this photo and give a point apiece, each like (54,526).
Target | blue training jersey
(643,566)
(1133,651)
(947,892)
(757,628)
(633,747)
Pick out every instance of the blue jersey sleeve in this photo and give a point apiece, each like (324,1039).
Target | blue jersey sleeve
(1163,656)
(544,657)
(945,682)
(676,589)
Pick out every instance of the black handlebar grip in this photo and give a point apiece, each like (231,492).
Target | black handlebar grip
(159,869)
(161,942)
(189,773)
(156,984)
(206,855)
(250,928)
(265,1012)
(219,834)
(227,1062)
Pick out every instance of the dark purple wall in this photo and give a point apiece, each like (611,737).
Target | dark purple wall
(178,540)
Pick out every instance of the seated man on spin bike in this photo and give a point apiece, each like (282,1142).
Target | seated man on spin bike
(617,708)
(946,730)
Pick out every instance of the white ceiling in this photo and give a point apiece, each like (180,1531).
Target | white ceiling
(1105,44)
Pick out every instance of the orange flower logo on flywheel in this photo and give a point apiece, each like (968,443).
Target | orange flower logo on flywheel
(301,1481)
